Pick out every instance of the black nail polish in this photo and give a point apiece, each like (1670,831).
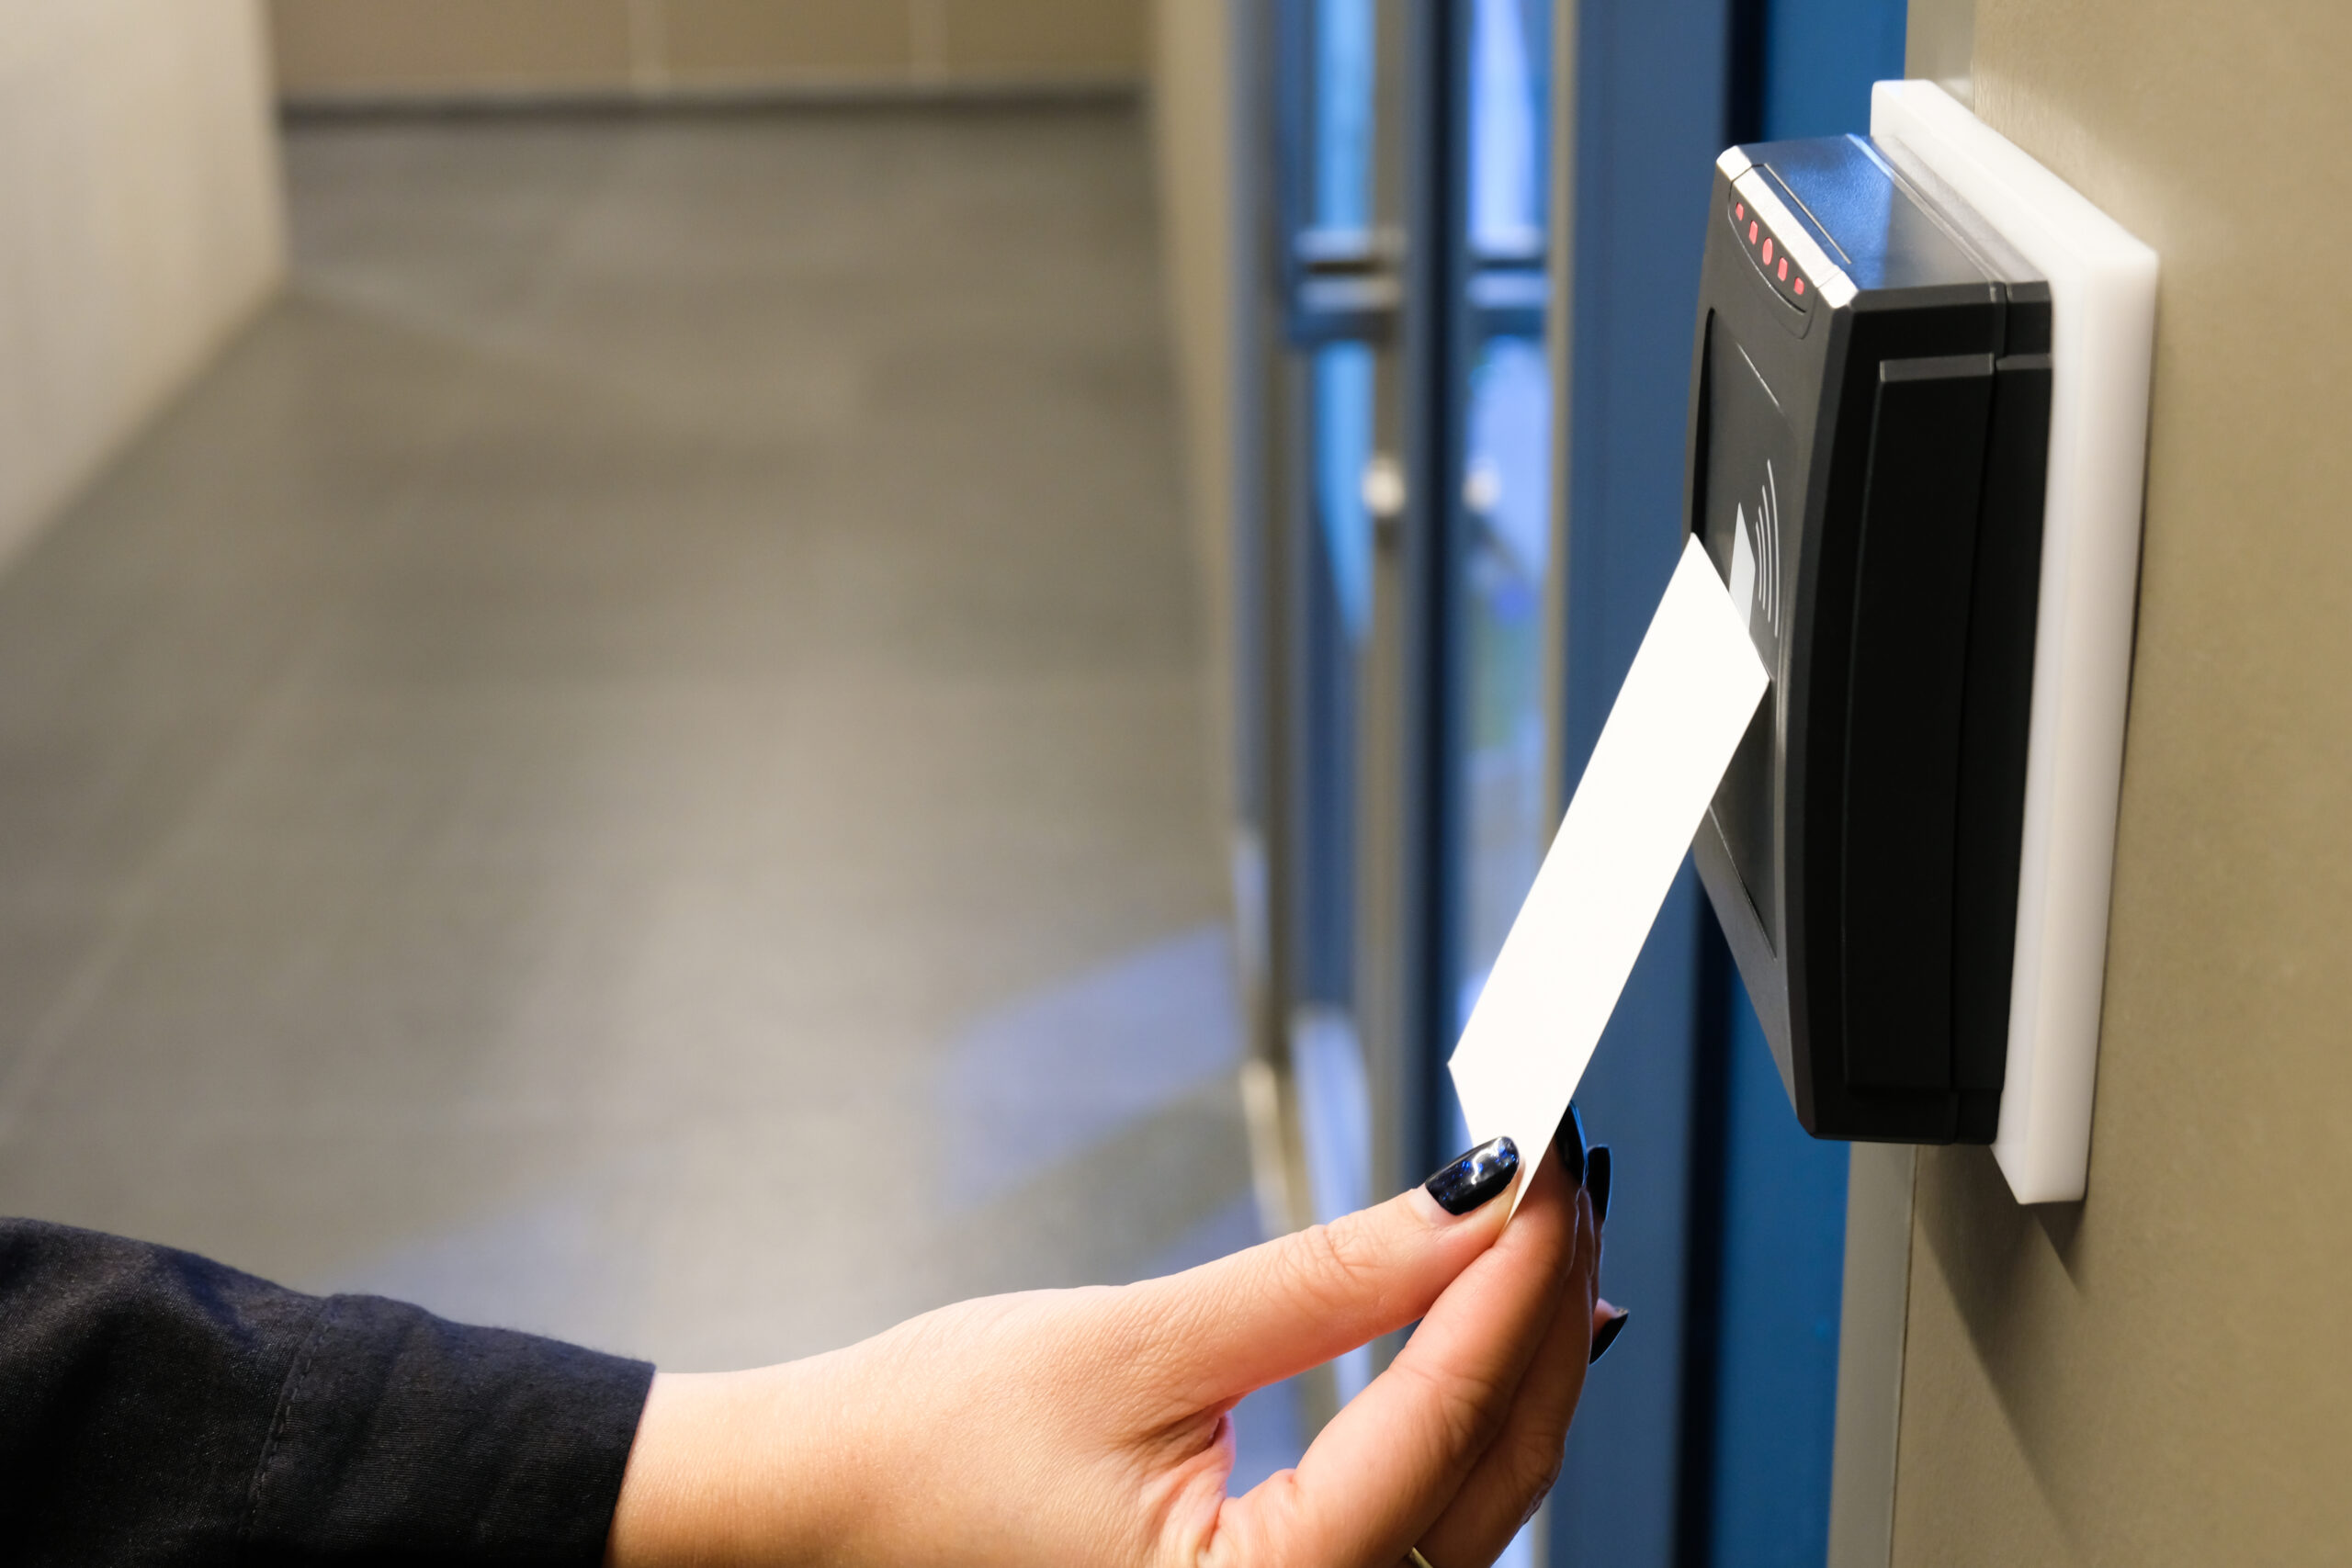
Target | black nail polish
(1474,1176)
(1596,1183)
(1569,1138)
(1608,1334)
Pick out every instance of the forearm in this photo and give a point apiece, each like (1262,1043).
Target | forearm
(158,1407)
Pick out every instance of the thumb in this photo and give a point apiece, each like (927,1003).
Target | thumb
(1294,1303)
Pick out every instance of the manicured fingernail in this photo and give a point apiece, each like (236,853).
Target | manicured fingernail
(1569,1140)
(1469,1178)
(1608,1334)
(1596,1183)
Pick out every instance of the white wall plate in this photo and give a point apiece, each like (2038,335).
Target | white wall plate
(2103,308)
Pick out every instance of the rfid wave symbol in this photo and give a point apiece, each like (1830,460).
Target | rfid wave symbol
(1756,554)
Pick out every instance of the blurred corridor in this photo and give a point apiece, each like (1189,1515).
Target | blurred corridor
(630,761)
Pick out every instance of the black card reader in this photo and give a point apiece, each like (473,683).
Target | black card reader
(1868,437)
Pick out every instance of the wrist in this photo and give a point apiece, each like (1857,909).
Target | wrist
(722,1472)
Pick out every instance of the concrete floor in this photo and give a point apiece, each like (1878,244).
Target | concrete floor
(629,762)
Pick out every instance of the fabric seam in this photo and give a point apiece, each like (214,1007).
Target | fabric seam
(282,1419)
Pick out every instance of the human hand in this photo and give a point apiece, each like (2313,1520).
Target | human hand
(1090,1426)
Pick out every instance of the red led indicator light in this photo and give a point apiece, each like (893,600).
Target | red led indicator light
(1740,211)
(1784,269)
(1767,253)
(1751,233)
(1799,285)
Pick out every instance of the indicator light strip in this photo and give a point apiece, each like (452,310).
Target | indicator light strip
(1831,283)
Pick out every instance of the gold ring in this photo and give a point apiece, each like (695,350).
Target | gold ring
(1413,1555)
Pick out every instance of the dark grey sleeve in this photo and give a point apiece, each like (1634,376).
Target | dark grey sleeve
(158,1408)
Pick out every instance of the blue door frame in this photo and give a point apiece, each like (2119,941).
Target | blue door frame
(1706,1439)
(1652,81)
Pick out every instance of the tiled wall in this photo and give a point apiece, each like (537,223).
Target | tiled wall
(368,49)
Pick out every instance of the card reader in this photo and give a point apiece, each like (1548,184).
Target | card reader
(1877,367)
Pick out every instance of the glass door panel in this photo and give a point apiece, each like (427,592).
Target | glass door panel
(1506,495)
(1495,798)
(1339,300)
(1502,816)
(1509,117)
(1342,90)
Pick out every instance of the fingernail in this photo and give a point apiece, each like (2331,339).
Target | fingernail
(1469,1178)
(1569,1138)
(1596,1183)
(1608,1334)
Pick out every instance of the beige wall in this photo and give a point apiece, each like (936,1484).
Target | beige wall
(139,221)
(373,49)
(1196,119)
(2162,1374)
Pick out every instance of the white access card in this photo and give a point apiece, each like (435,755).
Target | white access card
(1678,719)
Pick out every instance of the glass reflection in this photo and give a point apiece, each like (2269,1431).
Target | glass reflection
(1507,496)
(1343,98)
(1504,821)
(1509,86)
(1343,413)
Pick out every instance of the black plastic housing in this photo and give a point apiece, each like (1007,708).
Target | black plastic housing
(1868,429)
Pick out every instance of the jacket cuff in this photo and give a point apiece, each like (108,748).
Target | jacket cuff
(397,1433)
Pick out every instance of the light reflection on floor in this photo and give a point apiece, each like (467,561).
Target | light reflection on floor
(1042,1078)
